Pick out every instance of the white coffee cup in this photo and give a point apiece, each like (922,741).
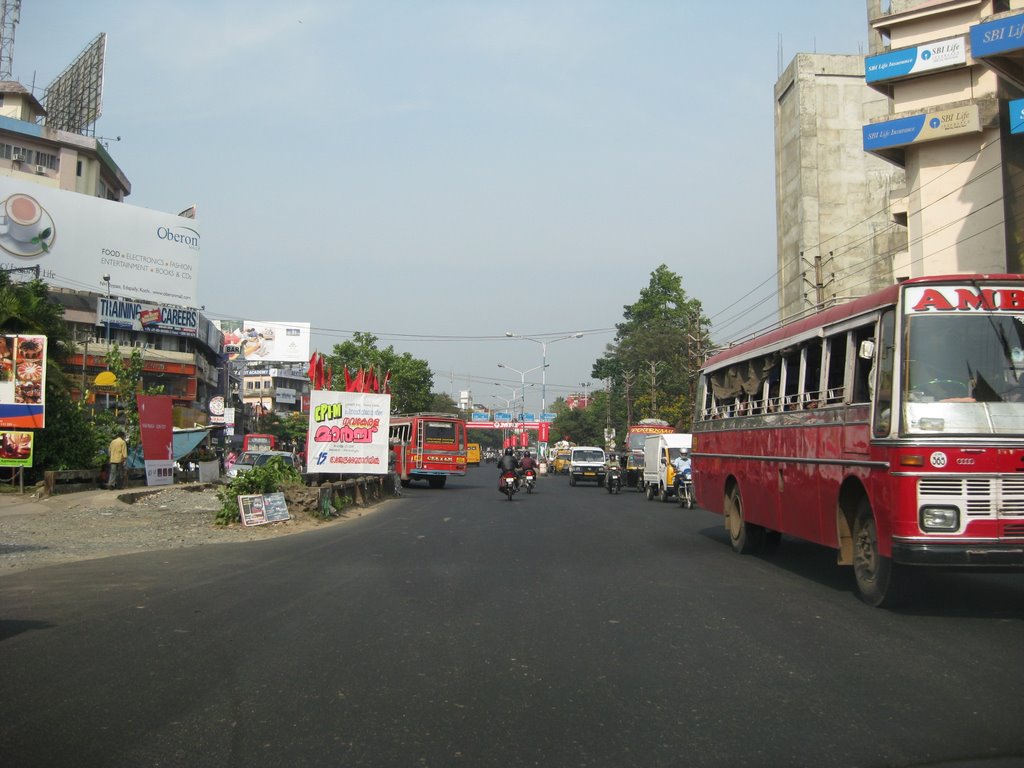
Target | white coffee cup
(22,217)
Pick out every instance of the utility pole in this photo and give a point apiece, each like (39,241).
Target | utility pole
(654,365)
(628,377)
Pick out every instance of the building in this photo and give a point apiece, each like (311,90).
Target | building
(264,390)
(837,230)
(950,70)
(182,351)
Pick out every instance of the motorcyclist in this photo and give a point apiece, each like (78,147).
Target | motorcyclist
(508,463)
(528,462)
(681,464)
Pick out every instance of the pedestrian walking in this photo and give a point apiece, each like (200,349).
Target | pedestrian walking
(118,455)
(396,481)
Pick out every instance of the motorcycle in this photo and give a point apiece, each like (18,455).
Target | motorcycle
(529,479)
(509,484)
(613,480)
(685,490)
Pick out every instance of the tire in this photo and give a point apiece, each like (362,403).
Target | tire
(663,495)
(880,582)
(405,483)
(746,538)
(649,491)
(529,488)
(572,479)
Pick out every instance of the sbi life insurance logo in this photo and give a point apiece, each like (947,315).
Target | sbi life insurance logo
(934,123)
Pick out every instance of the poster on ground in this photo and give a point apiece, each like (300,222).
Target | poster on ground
(348,433)
(156,431)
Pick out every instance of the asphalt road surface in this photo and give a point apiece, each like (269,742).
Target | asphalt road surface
(454,628)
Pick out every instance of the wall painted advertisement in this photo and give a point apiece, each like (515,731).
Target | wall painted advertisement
(22,382)
(263,341)
(75,239)
(348,433)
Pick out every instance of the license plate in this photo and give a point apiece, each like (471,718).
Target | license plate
(589,474)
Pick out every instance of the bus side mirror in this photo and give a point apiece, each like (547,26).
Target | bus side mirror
(867,350)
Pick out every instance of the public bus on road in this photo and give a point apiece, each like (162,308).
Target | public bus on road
(890,428)
(258,442)
(428,446)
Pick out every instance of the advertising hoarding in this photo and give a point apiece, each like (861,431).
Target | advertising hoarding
(263,341)
(136,316)
(348,433)
(22,382)
(16,449)
(75,239)
(913,61)
(157,434)
(923,127)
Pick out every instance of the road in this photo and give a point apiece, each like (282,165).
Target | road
(453,628)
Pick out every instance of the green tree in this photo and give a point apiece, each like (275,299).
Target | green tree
(69,440)
(652,364)
(411,378)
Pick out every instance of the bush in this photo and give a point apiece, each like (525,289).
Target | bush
(269,478)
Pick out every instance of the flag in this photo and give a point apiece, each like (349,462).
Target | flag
(311,373)
(329,384)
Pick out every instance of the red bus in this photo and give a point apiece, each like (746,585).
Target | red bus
(428,446)
(258,442)
(890,428)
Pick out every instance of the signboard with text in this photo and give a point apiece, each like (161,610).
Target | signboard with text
(348,432)
(22,382)
(16,449)
(136,316)
(74,239)
(156,431)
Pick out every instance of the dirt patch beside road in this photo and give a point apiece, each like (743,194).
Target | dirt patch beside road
(94,524)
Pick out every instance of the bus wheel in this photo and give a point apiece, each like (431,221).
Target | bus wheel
(437,482)
(746,538)
(881,582)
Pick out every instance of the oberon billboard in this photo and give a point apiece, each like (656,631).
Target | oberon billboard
(76,239)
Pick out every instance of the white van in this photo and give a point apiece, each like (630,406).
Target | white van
(659,453)
(586,462)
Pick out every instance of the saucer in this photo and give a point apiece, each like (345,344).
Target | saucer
(27,249)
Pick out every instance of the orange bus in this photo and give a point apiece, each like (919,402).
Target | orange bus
(890,428)
(428,446)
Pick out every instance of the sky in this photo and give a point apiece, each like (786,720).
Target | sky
(443,172)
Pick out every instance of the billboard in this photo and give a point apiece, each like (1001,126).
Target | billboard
(16,449)
(263,341)
(22,382)
(136,316)
(348,432)
(913,61)
(76,239)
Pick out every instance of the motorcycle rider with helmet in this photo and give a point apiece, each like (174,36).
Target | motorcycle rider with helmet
(508,463)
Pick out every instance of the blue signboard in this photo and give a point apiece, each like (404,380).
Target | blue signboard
(924,127)
(893,133)
(547,416)
(998,36)
(502,416)
(1017,116)
(912,61)
(527,417)
(480,416)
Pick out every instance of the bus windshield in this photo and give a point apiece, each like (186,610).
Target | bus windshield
(963,374)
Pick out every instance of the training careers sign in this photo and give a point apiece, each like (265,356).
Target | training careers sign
(348,433)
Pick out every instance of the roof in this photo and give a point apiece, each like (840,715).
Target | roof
(12,86)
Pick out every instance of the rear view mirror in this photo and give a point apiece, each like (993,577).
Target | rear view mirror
(867,349)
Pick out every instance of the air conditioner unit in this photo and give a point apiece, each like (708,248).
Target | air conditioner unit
(18,157)
(138,343)
(40,169)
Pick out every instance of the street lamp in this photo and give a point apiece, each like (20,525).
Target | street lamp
(544,358)
(586,397)
(106,322)
(522,377)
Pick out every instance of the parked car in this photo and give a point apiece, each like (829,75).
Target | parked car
(249,459)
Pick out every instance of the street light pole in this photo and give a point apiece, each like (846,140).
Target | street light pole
(544,358)
(106,322)
(522,378)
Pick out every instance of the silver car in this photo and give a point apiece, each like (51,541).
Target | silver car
(249,459)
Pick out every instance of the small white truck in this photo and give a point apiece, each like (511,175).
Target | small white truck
(659,453)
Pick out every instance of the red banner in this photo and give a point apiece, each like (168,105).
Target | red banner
(156,427)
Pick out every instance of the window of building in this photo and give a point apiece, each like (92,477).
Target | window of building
(78,168)
(47,160)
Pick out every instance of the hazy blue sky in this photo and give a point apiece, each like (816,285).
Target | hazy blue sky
(429,169)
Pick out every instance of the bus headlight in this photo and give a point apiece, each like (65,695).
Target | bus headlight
(940,518)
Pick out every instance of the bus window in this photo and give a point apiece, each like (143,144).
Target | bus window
(885,357)
(812,374)
(836,363)
(862,366)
